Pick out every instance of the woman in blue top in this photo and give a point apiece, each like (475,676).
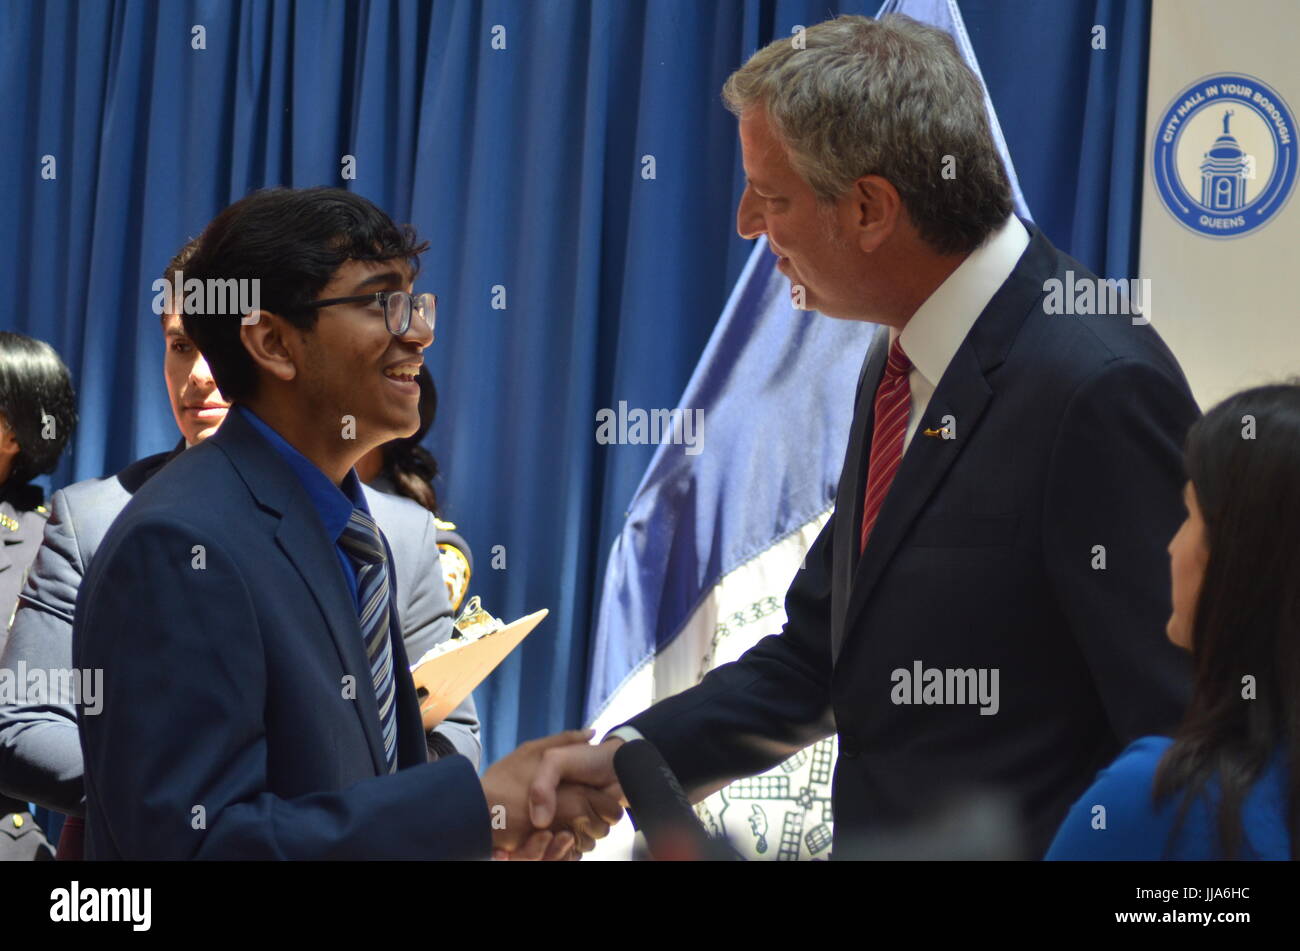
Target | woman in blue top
(1225,785)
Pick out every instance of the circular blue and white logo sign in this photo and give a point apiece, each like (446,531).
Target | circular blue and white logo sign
(1225,155)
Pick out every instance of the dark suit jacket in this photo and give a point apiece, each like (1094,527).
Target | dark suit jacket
(1068,436)
(239,720)
(40,752)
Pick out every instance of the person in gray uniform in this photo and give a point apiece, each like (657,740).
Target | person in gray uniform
(38,412)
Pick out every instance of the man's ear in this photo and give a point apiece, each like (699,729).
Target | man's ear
(274,344)
(876,209)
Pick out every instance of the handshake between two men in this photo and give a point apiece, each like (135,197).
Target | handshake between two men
(552,798)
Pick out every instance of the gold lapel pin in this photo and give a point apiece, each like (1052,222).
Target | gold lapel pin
(936,433)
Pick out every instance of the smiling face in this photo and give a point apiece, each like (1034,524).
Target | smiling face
(1188,555)
(814,239)
(352,366)
(197,404)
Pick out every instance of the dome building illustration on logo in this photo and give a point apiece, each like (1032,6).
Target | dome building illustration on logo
(1247,173)
(1223,173)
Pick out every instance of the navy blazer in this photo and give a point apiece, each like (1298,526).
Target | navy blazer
(40,752)
(239,719)
(1069,433)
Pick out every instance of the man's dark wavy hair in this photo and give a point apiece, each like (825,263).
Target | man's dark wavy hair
(291,240)
(179,262)
(35,384)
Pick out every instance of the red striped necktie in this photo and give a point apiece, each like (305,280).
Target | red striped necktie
(893,401)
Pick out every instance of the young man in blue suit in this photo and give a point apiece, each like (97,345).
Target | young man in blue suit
(40,752)
(243,608)
(985,609)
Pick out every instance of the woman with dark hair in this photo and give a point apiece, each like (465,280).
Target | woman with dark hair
(38,412)
(1225,786)
(404,467)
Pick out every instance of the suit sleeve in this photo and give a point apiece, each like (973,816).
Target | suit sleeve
(184,775)
(748,716)
(40,752)
(426,621)
(1114,491)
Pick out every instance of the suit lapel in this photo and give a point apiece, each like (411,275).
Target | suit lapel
(963,393)
(301,536)
(852,487)
(303,540)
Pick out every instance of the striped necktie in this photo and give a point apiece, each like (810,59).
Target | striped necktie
(363,543)
(893,405)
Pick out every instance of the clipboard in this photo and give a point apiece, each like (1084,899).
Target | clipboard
(443,680)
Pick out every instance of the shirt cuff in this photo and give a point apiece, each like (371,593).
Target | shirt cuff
(625,733)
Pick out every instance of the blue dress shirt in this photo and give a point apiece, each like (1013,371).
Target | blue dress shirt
(1136,830)
(334,504)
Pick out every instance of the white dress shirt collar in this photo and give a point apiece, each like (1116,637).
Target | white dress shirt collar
(940,324)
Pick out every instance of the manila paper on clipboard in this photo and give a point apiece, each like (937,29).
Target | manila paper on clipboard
(449,671)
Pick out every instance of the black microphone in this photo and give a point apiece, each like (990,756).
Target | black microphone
(660,809)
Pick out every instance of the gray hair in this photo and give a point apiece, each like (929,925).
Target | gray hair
(889,97)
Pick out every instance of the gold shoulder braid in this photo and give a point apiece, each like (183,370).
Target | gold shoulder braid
(10,524)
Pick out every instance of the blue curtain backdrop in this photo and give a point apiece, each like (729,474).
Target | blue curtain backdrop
(524,167)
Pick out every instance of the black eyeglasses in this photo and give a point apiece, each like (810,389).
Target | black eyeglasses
(398,307)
